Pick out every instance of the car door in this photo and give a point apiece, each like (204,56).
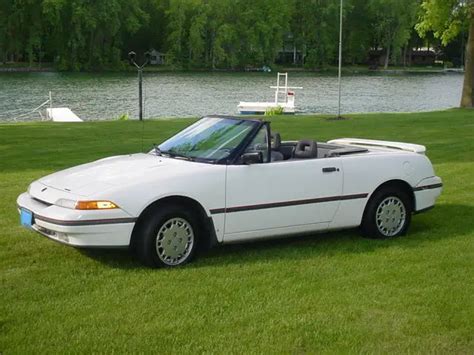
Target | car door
(286,196)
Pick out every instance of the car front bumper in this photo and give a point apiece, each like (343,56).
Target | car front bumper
(110,228)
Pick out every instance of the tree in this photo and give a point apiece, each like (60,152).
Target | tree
(315,28)
(357,36)
(150,34)
(88,34)
(394,20)
(447,18)
(227,34)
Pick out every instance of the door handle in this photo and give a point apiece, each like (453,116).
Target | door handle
(330,169)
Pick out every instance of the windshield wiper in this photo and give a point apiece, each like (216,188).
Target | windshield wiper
(173,154)
(156,149)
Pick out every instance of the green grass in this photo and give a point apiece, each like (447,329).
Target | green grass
(333,292)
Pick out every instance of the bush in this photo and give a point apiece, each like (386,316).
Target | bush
(274,111)
(123,117)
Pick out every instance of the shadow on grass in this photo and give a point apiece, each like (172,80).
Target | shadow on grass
(443,222)
(114,258)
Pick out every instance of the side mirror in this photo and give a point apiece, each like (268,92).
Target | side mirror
(252,158)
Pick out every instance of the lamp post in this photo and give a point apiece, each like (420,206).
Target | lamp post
(131,56)
(340,62)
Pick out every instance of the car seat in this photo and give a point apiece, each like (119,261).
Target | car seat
(276,155)
(306,149)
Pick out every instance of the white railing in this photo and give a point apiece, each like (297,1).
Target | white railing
(281,92)
(36,110)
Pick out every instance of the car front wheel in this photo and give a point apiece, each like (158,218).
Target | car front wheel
(388,214)
(167,237)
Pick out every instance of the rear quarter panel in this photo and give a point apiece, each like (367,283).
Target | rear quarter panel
(364,173)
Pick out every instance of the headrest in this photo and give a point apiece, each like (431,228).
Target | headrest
(276,141)
(306,149)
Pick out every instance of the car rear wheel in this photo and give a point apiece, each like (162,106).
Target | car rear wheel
(168,237)
(388,214)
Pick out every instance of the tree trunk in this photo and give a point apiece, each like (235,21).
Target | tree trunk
(30,55)
(303,56)
(91,49)
(211,50)
(387,57)
(404,56)
(395,56)
(294,53)
(40,53)
(467,92)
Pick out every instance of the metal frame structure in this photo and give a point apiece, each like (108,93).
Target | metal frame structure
(131,56)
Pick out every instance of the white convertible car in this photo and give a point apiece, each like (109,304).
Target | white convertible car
(226,180)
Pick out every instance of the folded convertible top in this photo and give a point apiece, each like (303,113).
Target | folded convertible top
(409,147)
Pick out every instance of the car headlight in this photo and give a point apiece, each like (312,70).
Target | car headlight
(64,202)
(86,205)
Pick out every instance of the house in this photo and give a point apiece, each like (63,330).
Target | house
(157,58)
(289,54)
(413,57)
(423,57)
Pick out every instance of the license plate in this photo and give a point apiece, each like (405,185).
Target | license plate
(26,218)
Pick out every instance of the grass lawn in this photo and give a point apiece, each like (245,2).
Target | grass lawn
(333,292)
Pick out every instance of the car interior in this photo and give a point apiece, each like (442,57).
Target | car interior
(307,149)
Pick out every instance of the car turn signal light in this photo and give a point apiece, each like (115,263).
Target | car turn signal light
(95,205)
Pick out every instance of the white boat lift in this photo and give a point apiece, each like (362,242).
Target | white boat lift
(55,114)
(62,114)
(284,99)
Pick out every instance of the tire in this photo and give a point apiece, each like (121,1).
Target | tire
(387,214)
(167,236)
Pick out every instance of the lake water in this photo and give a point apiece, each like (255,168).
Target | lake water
(105,96)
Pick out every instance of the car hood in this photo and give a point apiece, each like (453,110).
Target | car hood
(87,179)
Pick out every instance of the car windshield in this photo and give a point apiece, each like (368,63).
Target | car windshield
(209,139)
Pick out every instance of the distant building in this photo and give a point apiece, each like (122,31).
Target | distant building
(157,58)
(423,57)
(414,57)
(289,54)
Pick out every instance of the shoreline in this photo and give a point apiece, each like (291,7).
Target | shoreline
(351,70)
(321,116)
(27,70)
